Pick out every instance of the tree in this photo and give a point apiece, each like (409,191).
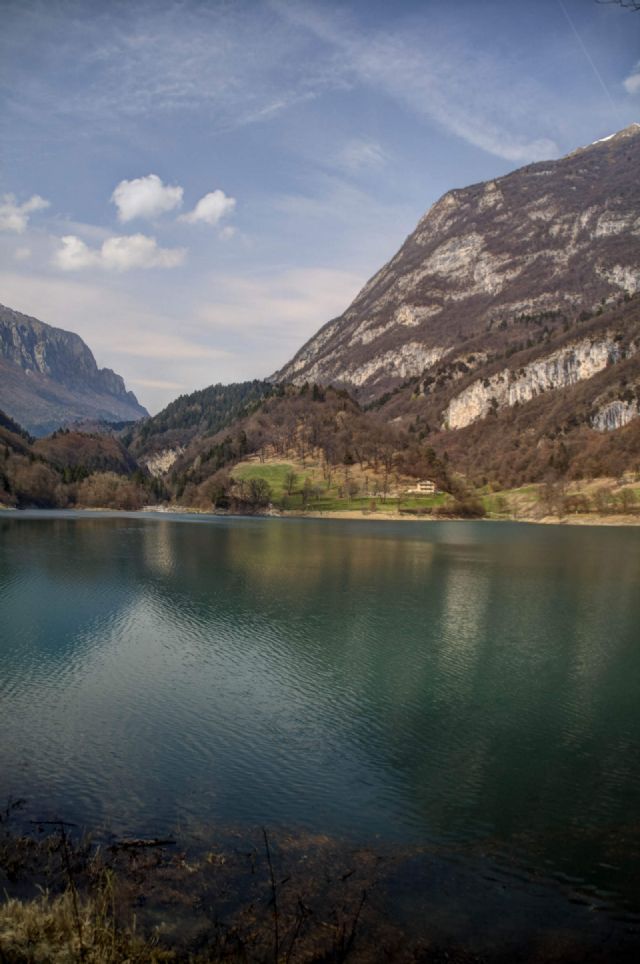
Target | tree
(220,489)
(259,492)
(290,482)
(628,500)
(307,491)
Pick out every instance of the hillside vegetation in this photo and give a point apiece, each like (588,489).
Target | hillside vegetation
(200,413)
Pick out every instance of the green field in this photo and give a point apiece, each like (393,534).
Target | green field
(328,500)
(273,472)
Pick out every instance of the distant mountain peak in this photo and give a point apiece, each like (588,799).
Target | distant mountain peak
(49,377)
(631,130)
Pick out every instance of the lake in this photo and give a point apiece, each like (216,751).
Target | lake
(469,687)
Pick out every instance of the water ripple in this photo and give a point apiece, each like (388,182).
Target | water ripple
(462,687)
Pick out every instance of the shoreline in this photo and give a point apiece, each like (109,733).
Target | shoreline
(596,520)
(348,515)
(151,899)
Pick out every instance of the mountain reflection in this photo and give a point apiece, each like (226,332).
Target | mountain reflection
(462,684)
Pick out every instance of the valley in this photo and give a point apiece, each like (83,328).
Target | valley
(498,349)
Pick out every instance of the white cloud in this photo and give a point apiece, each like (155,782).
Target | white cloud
(22,254)
(117,254)
(139,251)
(14,216)
(632,82)
(158,383)
(360,154)
(75,254)
(211,208)
(145,197)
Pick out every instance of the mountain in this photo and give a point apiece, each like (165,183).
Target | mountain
(49,377)
(564,403)
(490,269)
(158,441)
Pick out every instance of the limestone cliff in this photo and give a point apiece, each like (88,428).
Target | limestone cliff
(566,366)
(616,414)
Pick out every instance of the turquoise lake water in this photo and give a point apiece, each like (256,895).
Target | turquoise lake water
(473,687)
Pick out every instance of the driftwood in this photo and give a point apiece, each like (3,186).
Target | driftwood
(139,843)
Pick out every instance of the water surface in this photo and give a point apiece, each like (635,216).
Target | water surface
(469,687)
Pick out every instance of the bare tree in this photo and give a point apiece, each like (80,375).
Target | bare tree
(290,481)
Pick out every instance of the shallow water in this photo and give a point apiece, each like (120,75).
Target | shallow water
(467,687)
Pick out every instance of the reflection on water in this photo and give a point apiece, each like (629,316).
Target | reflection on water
(469,686)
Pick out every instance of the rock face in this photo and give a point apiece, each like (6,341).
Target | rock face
(615,415)
(549,240)
(562,368)
(619,405)
(160,463)
(49,377)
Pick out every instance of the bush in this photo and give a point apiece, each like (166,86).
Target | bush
(106,490)
(469,508)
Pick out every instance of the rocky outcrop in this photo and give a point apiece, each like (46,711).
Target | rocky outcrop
(160,463)
(553,239)
(408,359)
(615,415)
(566,366)
(50,378)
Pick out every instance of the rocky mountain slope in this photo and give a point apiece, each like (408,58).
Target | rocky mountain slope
(487,270)
(49,377)
(562,403)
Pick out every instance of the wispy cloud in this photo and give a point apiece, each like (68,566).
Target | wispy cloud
(116,254)
(277,313)
(437,75)
(145,197)
(360,154)
(160,59)
(157,383)
(15,217)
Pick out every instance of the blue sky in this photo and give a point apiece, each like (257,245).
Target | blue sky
(195,187)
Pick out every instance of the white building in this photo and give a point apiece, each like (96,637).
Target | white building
(423,487)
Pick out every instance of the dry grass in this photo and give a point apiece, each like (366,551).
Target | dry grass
(48,929)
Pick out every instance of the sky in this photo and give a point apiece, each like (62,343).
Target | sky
(196,186)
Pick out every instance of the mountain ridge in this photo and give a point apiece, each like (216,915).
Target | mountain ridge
(49,377)
(553,236)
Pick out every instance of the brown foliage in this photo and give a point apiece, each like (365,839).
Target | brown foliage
(108,490)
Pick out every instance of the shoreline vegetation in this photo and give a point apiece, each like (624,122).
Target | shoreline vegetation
(598,502)
(312,452)
(257,895)
(378,515)
(268,485)
(345,516)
